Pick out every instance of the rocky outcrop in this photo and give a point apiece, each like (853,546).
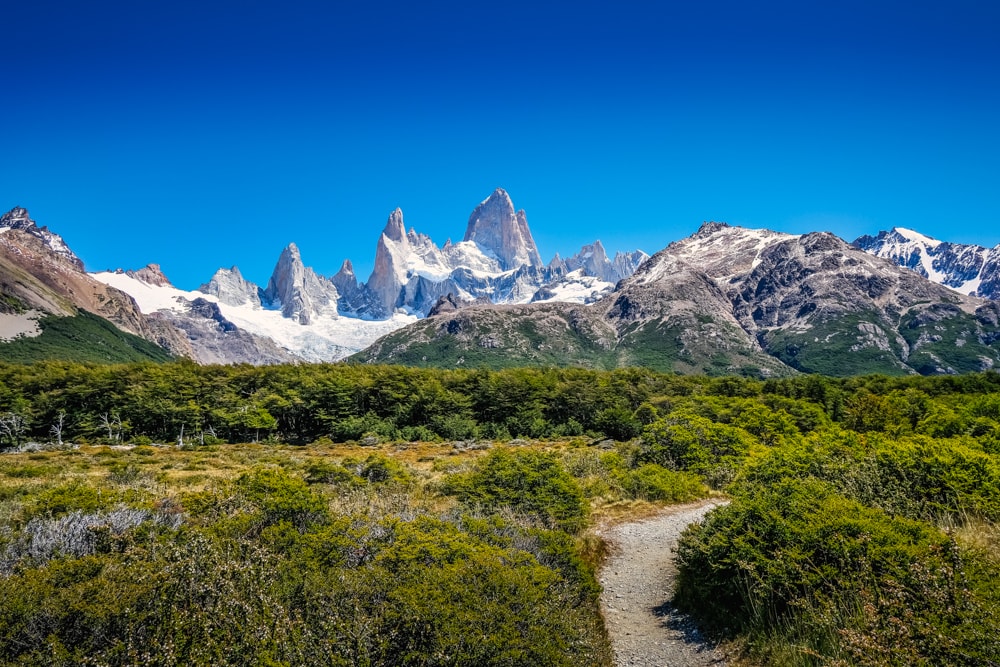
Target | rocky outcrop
(298,291)
(151,274)
(446,304)
(355,298)
(626,263)
(592,260)
(19,219)
(233,289)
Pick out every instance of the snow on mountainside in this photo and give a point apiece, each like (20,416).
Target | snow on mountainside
(497,261)
(592,260)
(723,251)
(301,315)
(574,287)
(729,300)
(968,269)
(325,339)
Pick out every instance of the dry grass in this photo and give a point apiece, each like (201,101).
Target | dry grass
(981,536)
(156,472)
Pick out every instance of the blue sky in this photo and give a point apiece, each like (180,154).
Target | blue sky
(207,134)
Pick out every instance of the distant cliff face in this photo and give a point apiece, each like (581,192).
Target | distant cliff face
(497,261)
(298,291)
(232,288)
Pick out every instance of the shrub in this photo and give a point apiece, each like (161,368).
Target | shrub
(656,483)
(686,441)
(528,481)
(280,497)
(378,469)
(76,534)
(798,558)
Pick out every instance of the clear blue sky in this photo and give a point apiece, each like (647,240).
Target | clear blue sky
(206,134)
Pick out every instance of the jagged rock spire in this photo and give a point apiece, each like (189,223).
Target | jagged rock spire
(498,229)
(298,290)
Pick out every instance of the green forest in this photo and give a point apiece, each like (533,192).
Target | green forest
(176,514)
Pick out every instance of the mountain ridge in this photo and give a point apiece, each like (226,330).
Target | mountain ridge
(497,261)
(725,299)
(966,268)
(734,300)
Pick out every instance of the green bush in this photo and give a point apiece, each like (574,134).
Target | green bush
(835,577)
(379,469)
(280,497)
(528,481)
(656,483)
(917,477)
(686,441)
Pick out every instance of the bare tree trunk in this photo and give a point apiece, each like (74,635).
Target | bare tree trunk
(57,427)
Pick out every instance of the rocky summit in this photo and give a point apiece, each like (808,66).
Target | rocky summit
(298,291)
(500,231)
(233,289)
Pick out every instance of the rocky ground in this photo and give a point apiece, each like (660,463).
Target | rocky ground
(638,580)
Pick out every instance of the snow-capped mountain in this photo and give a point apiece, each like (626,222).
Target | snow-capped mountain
(223,329)
(593,260)
(500,231)
(968,269)
(314,318)
(497,260)
(729,300)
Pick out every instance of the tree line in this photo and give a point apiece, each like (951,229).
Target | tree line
(190,404)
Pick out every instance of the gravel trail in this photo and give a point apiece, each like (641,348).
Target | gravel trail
(638,580)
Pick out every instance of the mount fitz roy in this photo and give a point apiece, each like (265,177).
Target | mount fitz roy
(724,300)
(303,316)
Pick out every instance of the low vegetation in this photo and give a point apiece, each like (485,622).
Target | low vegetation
(83,337)
(391,516)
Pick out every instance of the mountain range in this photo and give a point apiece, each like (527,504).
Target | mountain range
(729,300)
(725,300)
(303,316)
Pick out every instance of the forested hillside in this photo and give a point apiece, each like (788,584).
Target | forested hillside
(397,516)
